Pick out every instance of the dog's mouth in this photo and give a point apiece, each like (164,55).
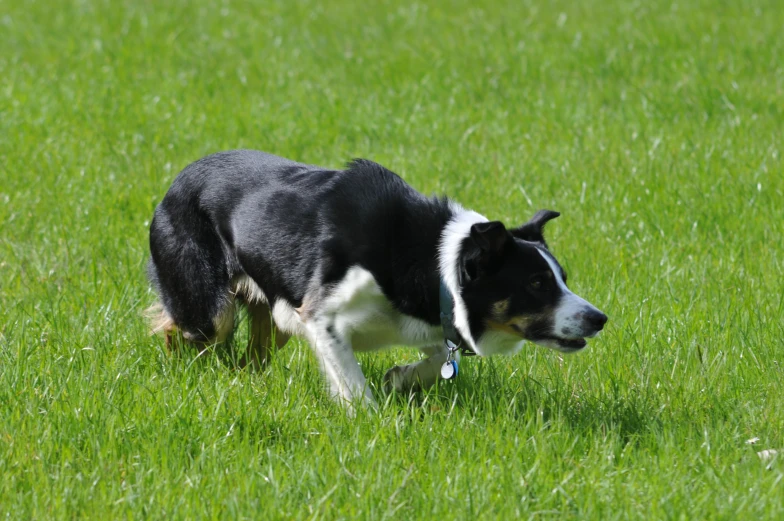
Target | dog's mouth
(571,343)
(565,345)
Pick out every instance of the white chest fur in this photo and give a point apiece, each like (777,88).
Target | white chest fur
(361,313)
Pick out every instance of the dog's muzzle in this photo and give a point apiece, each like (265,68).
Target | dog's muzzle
(575,320)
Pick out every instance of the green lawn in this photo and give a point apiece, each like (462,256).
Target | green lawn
(656,128)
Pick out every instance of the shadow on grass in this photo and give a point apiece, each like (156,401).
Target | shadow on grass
(481,391)
(484,391)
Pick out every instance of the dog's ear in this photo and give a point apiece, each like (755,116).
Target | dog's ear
(484,250)
(490,236)
(533,230)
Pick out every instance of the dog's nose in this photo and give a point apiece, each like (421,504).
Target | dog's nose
(596,319)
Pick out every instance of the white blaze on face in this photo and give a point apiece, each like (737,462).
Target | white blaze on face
(568,320)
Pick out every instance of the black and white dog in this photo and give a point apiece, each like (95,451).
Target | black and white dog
(354,261)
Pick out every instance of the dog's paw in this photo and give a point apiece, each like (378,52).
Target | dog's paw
(394,379)
(401,380)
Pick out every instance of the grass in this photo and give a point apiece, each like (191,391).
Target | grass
(654,127)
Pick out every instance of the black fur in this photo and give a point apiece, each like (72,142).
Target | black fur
(293,227)
(283,222)
(504,270)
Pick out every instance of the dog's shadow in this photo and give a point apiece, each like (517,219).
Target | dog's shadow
(482,389)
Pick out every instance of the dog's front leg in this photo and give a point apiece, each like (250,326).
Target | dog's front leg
(345,377)
(417,376)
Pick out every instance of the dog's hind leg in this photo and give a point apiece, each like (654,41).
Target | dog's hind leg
(263,336)
(417,376)
(160,321)
(176,339)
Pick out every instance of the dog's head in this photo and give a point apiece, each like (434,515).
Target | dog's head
(512,289)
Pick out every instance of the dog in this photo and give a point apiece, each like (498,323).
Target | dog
(352,260)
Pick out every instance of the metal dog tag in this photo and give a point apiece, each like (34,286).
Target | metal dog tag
(449,370)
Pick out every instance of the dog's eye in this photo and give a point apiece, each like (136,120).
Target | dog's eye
(536,282)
